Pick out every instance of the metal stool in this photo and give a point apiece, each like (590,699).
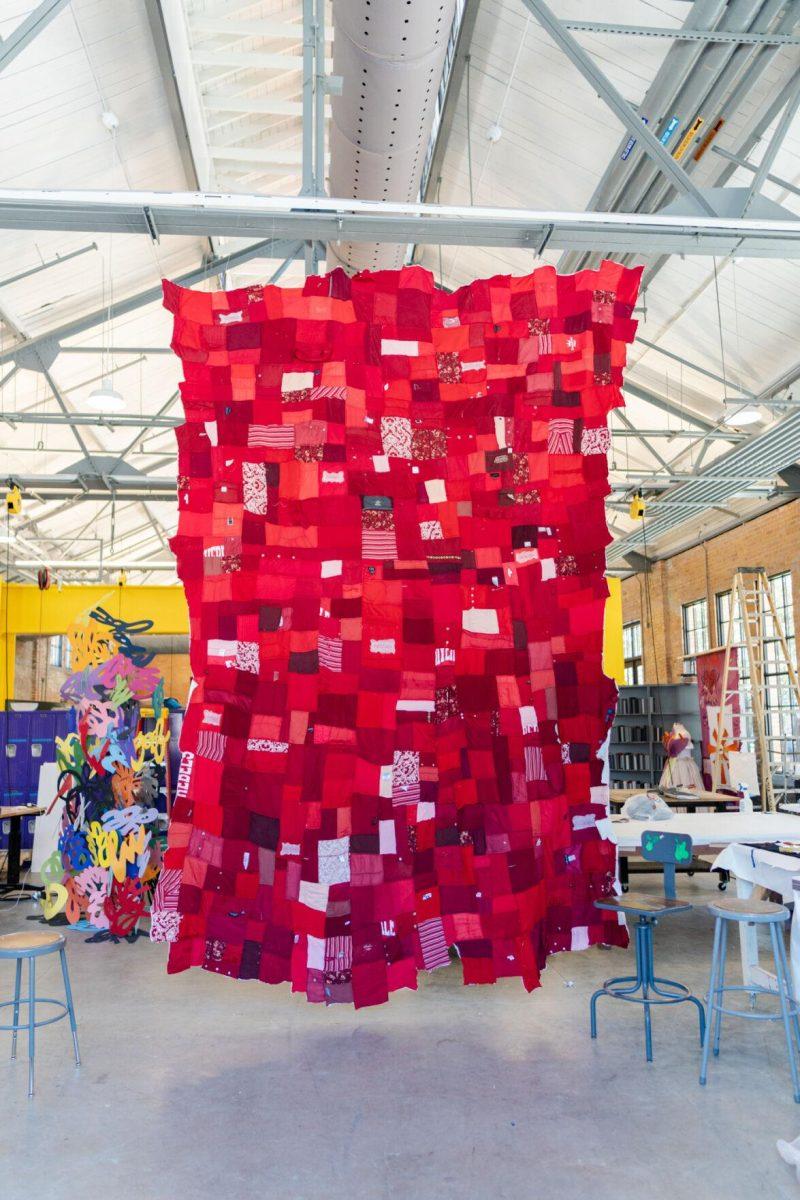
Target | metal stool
(647,987)
(33,946)
(753,912)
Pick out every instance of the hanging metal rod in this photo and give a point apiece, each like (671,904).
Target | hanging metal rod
(50,262)
(194,214)
(111,421)
(748,166)
(682,34)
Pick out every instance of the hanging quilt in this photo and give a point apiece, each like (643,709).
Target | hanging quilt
(392,538)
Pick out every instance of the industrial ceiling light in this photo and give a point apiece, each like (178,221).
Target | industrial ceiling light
(105,398)
(742,416)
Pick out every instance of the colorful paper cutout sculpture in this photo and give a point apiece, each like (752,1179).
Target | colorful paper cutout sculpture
(108,856)
(392,538)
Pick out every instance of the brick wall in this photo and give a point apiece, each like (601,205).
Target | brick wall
(35,678)
(771,541)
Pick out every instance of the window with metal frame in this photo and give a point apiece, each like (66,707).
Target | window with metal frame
(632,652)
(695,632)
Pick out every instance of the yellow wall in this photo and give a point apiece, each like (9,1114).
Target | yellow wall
(613,655)
(26,610)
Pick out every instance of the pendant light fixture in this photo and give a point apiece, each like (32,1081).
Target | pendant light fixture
(748,415)
(105,398)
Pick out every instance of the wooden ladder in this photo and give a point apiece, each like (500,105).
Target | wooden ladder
(751,595)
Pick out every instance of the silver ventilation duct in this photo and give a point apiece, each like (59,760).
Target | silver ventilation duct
(390,54)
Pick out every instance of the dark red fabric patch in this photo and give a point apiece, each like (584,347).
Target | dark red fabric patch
(392,539)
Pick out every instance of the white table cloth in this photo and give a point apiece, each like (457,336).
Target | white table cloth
(710,829)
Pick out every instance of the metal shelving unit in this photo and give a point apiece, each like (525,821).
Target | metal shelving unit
(644,713)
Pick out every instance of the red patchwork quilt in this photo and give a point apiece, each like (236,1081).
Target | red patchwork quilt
(392,539)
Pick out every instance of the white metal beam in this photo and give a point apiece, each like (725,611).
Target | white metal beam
(29,29)
(194,214)
(682,34)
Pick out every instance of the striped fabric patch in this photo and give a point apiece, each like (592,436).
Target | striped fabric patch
(274,437)
(432,943)
(211,744)
(379,543)
(330,653)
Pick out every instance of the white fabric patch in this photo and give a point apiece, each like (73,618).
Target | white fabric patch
(382,646)
(219,648)
(426,810)
(211,718)
(580,937)
(231,318)
(500,432)
(254,487)
(394,346)
(380,463)
(329,567)
(480,620)
(584,821)
(333,476)
(267,746)
(315,953)
(247,658)
(548,569)
(472,366)
(396,437)
(295,381)
(334,860)
(387,837)
(314,895)
(211,431)
(290,849)
(527,715)
(415,706)
(437,490)
(385,786)
(431,531)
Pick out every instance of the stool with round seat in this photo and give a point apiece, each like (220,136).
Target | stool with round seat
(30,946)
(752,912)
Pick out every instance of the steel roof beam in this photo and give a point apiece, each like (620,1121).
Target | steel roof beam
(29,29)
(112,421)
(269,248)
(760,457)
(784,184)
(192,214)
(686,362)
(682,34)
(626,113)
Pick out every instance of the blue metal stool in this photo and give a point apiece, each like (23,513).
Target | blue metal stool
(647,988)
(753,912)
(33,946)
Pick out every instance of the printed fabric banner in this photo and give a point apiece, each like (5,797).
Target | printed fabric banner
(710,684)
(392,539)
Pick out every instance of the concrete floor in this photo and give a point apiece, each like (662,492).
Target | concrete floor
(200,1087)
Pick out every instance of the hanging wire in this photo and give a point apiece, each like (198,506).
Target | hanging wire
(439,201)
(469,132)
(721,338)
